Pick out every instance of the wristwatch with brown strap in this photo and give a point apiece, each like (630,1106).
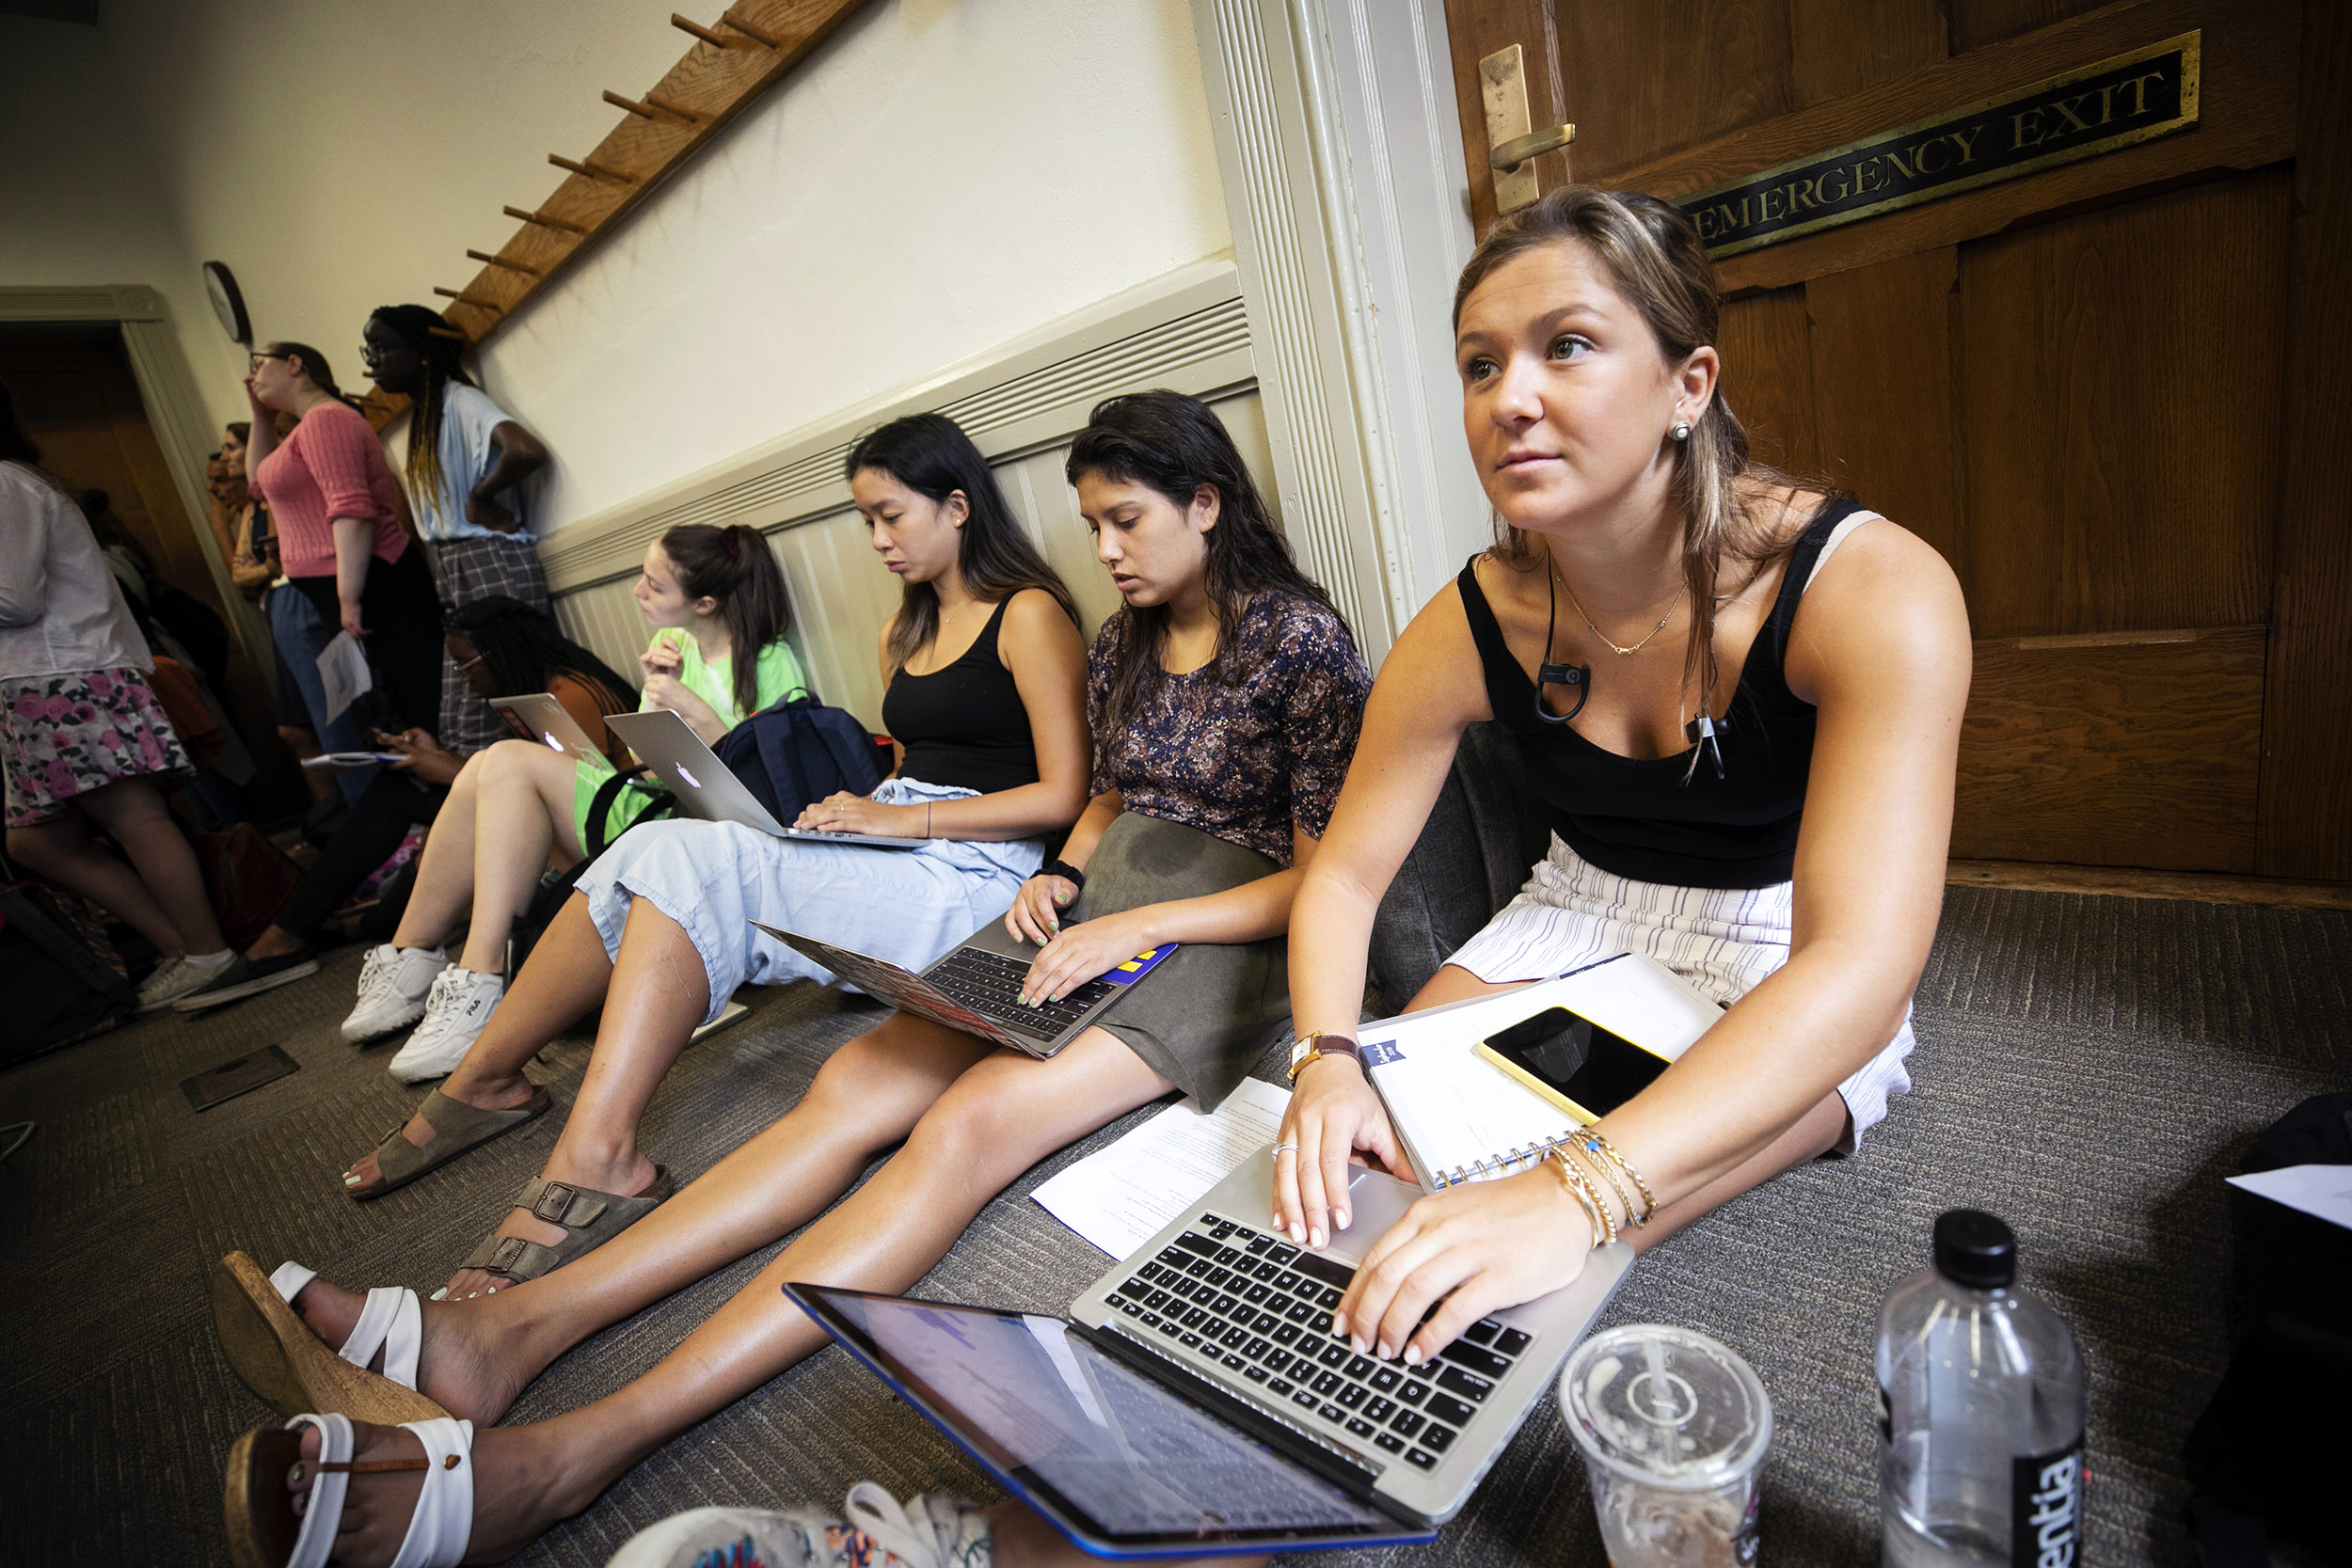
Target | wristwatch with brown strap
(1309,1046)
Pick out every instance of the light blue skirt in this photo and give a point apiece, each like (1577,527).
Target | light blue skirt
(714,878)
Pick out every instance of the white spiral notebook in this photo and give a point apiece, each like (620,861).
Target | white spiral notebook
(1463,1119)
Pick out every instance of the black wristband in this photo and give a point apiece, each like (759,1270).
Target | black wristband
(1068,872)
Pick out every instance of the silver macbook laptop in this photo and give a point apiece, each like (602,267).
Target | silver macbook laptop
(977,986)
(1193,1401)
(536,716)
(707,788)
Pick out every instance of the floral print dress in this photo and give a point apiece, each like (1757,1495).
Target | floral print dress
(66,734)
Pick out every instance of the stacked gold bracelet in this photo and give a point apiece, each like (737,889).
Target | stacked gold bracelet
(1595,1144)
(1580,1188)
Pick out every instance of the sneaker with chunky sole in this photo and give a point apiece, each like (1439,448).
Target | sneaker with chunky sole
(456,1010)
(393,982)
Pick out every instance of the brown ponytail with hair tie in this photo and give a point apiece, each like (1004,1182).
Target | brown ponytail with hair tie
(732,537)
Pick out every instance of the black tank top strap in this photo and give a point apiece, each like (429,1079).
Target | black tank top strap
(1767,668)
(984,648)
(1506,683)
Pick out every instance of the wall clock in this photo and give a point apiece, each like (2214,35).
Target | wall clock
(220,286)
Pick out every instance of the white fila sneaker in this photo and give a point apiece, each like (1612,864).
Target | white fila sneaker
(456,1010)
(392,986)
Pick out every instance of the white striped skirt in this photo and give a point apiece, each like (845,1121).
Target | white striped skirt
(1724,941)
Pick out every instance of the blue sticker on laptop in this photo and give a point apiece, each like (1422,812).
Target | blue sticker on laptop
(1380,1053)
(1141,965)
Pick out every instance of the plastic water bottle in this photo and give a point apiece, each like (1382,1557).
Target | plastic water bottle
(1982,1393)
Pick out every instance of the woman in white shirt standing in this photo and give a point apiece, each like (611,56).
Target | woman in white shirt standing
(82,735)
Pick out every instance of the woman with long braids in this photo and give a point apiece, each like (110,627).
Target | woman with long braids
(715,597)
(1216,768)
(336,509)
(504,646)
(468,462)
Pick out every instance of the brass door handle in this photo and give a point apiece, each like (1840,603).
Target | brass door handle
(1511,154)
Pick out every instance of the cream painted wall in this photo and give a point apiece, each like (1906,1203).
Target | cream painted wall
(943,175)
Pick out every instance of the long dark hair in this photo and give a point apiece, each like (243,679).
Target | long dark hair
(15,446)
(523,650)
(1660,264)
(735,566)
(313,365)
(443,354)
(1175,444)
(931,455)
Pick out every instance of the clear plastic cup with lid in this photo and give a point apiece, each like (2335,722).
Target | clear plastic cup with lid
(1674,1427)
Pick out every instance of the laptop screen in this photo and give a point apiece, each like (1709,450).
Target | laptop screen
(1125,1459)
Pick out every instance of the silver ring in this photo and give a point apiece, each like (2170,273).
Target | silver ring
(1279,1148)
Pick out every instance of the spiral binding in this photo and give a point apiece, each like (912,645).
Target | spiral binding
(1510,1162)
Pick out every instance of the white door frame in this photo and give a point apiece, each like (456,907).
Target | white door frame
(1336,137)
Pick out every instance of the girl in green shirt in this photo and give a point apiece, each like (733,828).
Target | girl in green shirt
(716,600)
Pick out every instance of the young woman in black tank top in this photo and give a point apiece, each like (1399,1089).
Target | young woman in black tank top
(1749,767)
(660,927)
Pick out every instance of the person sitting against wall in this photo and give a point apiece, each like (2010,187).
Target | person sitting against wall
(1789,864)
(715,597)
(1226,694)
(83,738)
(468,462)
(337,509)
(505,647)
(984,670)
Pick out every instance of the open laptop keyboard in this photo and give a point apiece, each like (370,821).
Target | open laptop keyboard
(1254,1305)
(990,985)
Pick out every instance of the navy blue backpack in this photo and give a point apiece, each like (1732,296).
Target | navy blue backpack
(794,753)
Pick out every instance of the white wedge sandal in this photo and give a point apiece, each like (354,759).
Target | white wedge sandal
(267,1531)
(280,1359)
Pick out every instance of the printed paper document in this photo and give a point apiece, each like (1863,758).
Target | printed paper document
(1122,1196)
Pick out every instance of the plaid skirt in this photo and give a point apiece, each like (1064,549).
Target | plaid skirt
(467,570)
(63,735)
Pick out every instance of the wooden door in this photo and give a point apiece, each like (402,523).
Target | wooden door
(77,397)
(2108,389)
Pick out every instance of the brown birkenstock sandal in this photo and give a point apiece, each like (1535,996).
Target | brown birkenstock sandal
(589,1219)
(457,1127)
(274,1350)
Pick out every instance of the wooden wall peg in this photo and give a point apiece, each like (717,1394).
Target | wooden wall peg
(469,299)
(596,169)
(448,332)
(629,103)
(566,225)
(718,40)
(693,117)
(728,19)
(502,261)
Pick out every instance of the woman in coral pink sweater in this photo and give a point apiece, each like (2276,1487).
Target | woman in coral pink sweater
(339,531)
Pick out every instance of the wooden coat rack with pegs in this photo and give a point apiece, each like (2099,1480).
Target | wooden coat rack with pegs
(752,46)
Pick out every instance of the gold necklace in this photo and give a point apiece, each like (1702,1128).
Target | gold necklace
(1613,646)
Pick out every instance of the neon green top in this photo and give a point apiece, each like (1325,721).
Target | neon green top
(714,681)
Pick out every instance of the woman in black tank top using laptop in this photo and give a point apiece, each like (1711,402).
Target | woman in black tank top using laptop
(984,670)
(1746,745)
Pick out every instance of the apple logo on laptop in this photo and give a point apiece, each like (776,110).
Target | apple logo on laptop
(553,744)
(691,782)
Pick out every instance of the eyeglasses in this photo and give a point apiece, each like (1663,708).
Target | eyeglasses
(254,363)
(471,663)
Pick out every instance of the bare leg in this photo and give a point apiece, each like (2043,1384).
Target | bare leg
(60,851)
(1817,1131)
(565,977)
(658,994)
(1000,1116)
(524,813)
(445,870)
(133,813)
